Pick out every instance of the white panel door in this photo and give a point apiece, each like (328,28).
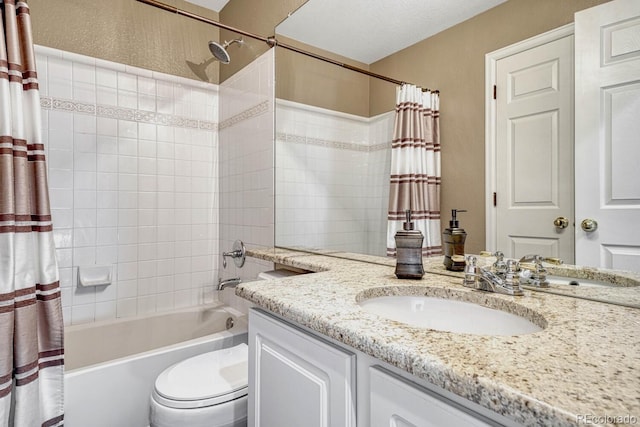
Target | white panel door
(296,379)
(607,147)
(534,151)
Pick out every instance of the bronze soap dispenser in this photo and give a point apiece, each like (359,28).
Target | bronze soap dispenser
(409,251)
(453,239)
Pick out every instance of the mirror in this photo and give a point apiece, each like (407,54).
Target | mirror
(332,171)
(332,126)
(333,136)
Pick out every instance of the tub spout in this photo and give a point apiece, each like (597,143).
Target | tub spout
(228,282)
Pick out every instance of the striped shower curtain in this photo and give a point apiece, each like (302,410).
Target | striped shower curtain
(415,167)
(31,327)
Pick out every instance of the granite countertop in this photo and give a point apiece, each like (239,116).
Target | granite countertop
(586,360)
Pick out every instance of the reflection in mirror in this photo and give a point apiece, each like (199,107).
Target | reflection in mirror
(332,172)
(332,155)
(328,114)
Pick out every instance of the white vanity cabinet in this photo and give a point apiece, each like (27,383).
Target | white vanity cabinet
(296,379)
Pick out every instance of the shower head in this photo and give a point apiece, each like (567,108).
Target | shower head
(220,50)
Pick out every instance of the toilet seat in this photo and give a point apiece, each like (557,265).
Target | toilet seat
(205,380)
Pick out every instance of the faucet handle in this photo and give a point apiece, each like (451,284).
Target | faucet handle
(499,266)
(511,270)
(511,280)
(470,270)
(470,262)
(238,253)
(532,271)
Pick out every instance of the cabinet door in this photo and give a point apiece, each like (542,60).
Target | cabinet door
(296,379)
(396,403)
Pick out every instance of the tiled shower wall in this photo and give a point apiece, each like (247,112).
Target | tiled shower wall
(132,157)
(332,178)
(247,166)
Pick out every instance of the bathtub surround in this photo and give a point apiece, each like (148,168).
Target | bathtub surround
(332,172)
(246,173)
(133,182)
(31,325)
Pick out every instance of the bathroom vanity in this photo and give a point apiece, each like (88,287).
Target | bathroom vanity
(317,355)
(321,380)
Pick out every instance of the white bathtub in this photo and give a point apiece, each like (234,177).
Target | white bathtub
(111,366)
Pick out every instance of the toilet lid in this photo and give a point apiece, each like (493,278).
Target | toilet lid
(204,380)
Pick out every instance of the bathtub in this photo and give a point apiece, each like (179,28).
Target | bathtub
(110,367)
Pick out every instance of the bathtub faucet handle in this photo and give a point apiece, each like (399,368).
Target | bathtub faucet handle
(238,253)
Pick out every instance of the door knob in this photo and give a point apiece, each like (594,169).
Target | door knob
(589,225)
(561,222)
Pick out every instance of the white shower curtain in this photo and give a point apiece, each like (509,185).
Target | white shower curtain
(415,167)
(31,327)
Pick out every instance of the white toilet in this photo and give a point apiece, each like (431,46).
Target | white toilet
(208,390)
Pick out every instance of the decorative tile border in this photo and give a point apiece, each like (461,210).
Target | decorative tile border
(338,145)
(121,113)
(247,114)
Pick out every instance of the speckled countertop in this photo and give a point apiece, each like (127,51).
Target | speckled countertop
(586,361)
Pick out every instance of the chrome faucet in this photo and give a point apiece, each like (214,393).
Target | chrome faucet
(485,280)
(228,282)
(533,273)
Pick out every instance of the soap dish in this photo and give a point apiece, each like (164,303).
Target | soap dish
(95,275)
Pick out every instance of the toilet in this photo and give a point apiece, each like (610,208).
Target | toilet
(208,390)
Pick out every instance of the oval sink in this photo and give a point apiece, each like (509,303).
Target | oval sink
(585,283)
(448,315)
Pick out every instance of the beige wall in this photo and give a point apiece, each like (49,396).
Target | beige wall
(259,17)
(310,81)
(298,78)
(129,32)
(453,61)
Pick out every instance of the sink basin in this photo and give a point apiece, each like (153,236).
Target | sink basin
(448,315)
(579,283)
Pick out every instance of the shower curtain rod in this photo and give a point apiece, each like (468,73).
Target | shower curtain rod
(271,41)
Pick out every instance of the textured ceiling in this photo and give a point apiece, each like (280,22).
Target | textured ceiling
(369,30)
(216,5)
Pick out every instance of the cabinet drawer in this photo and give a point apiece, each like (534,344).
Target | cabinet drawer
(397,403)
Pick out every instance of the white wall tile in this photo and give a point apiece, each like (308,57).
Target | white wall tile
(106,255)
(127,82)
(107,78)
(113,187)
(106,96)
(105,310)
(83,313)
(127,307)
(60,159)
(106,236)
